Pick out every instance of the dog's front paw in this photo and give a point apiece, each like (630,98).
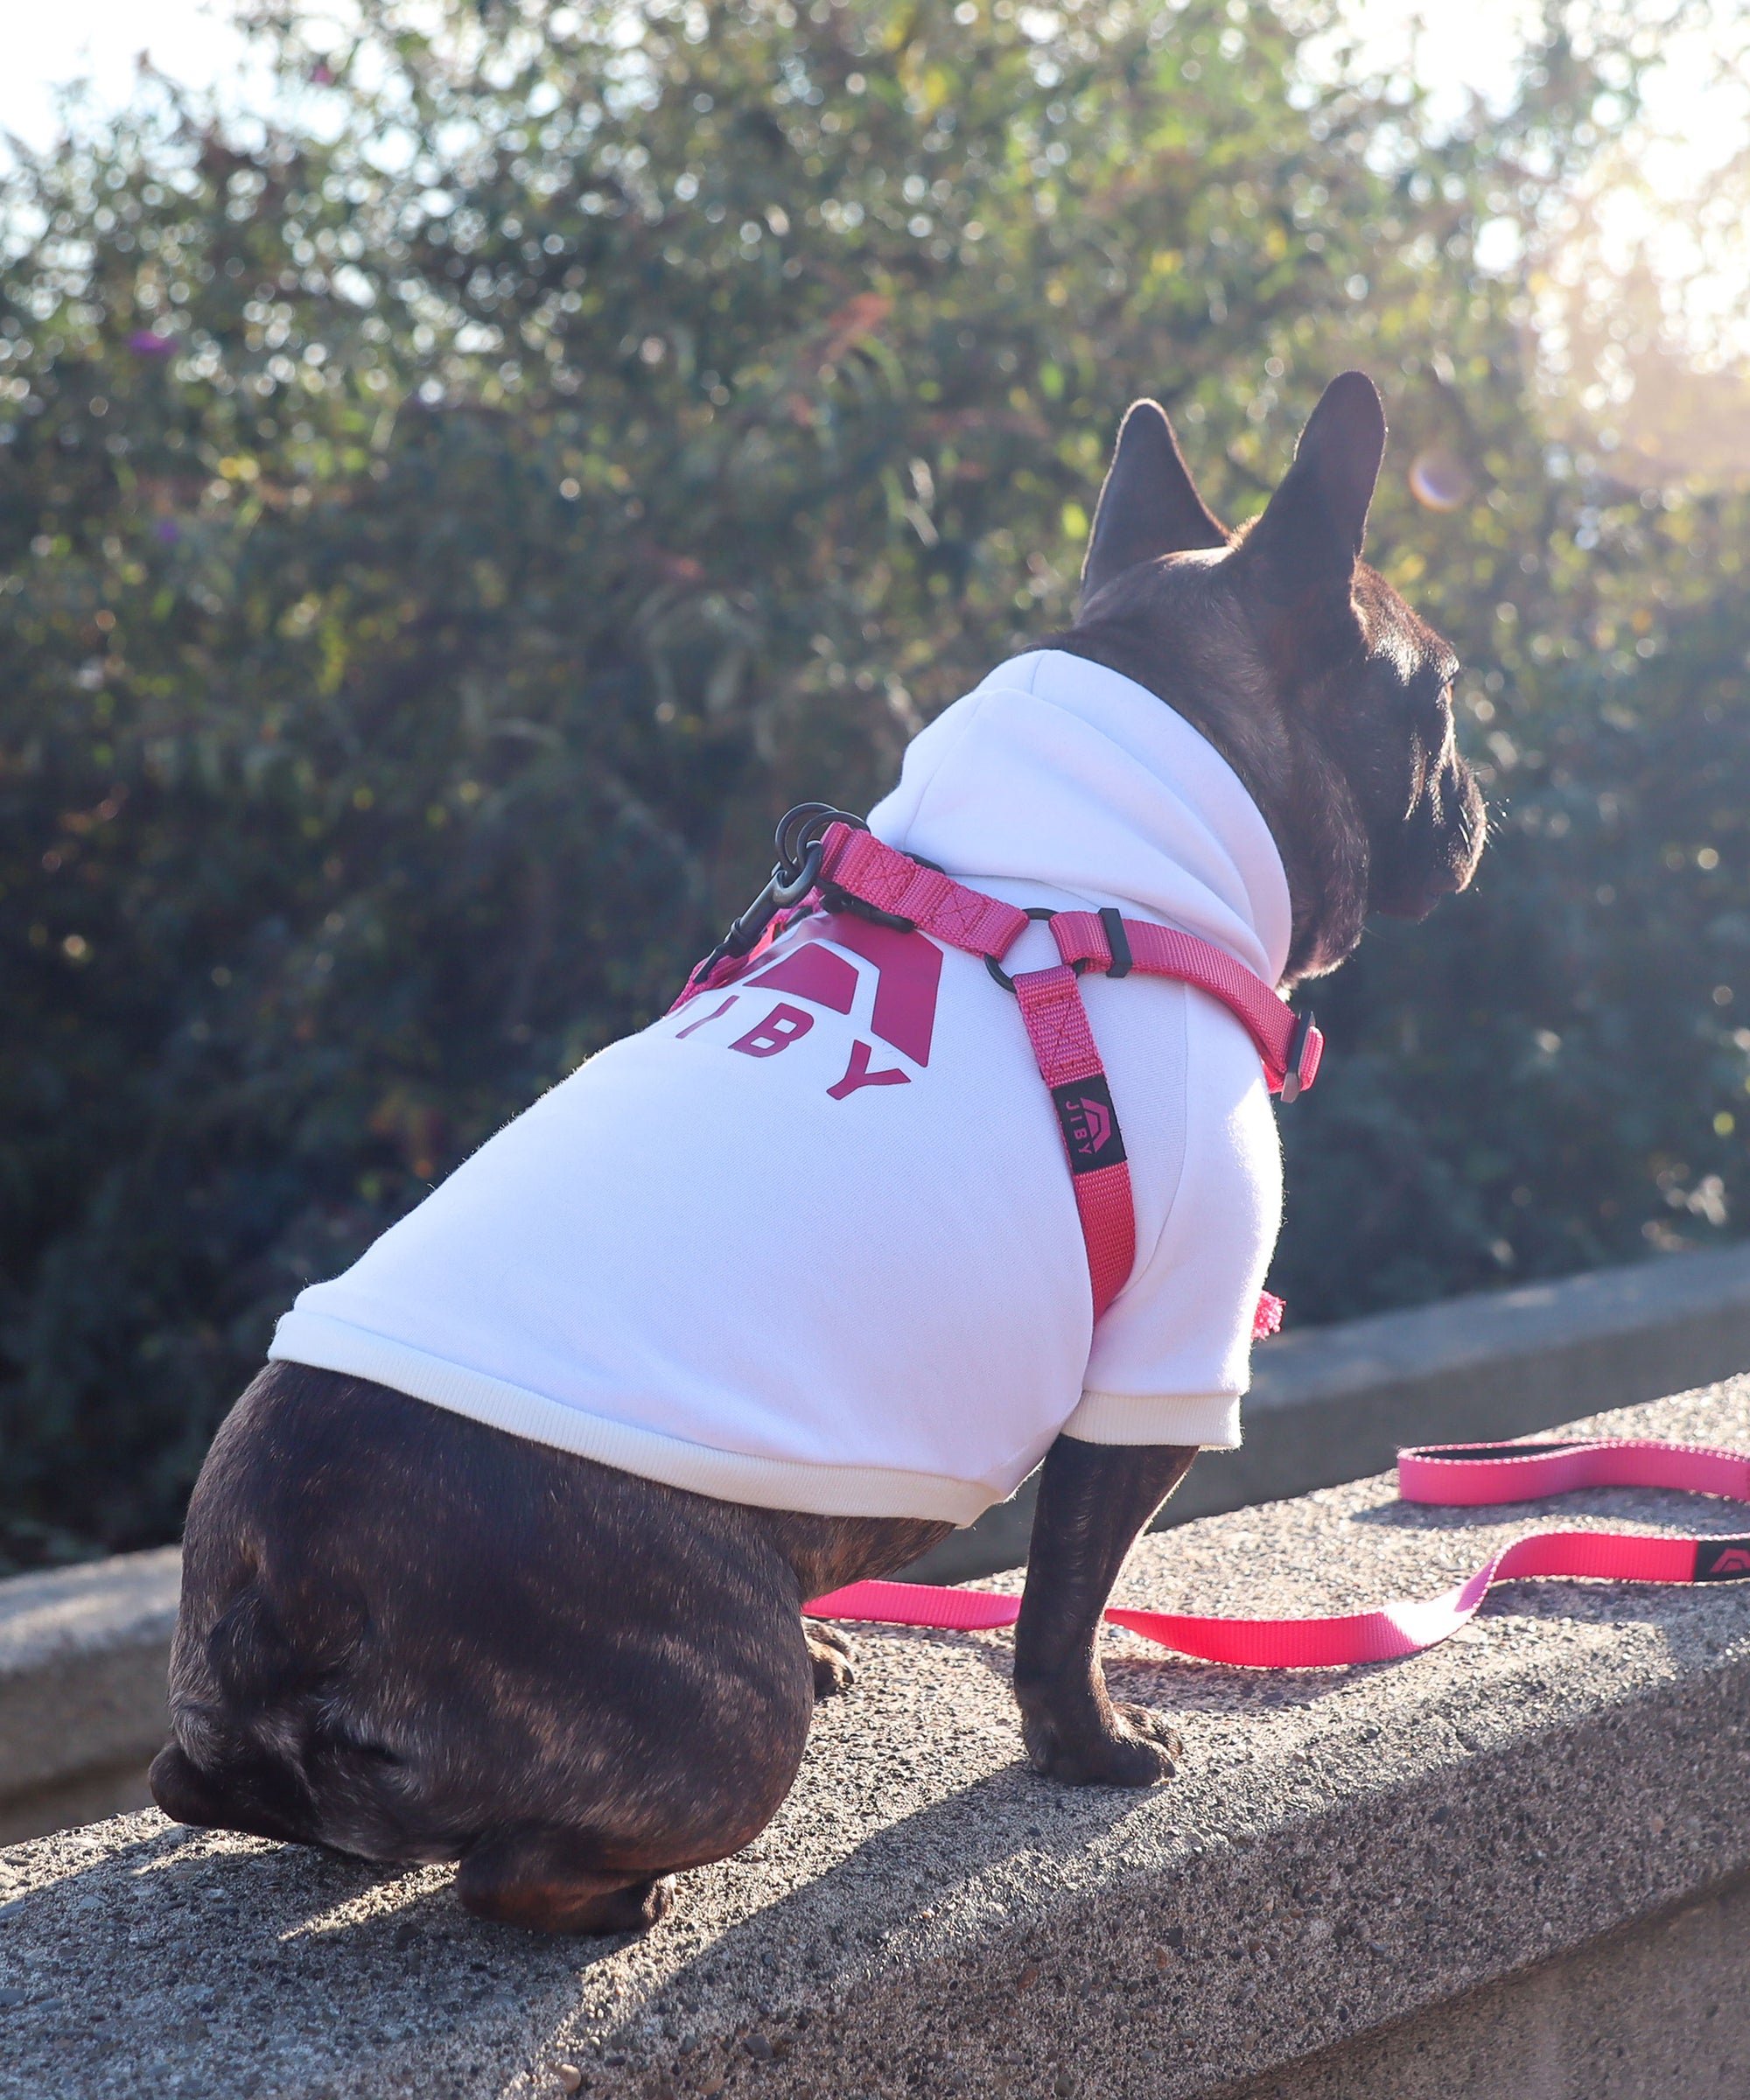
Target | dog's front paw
(832,1654)
(1137,1748)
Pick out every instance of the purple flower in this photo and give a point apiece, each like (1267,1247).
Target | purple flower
(146,342)
(168,530)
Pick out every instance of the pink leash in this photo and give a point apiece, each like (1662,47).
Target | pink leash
(1469,1475)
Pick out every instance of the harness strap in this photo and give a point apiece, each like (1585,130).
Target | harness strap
(1084,940)
(1289,1044)
(859,866)
(1056,1023)
(859,863)
(852,866)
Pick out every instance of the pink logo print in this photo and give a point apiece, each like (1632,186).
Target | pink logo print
(716,1014)
(813,972)
(858,1075)
(908,974)
(1734,1561)
(1090,1121)
(906,991)
(909,971)
(777,1032)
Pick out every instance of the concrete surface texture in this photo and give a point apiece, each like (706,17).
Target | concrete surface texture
(1657,2012)
(1344,1850)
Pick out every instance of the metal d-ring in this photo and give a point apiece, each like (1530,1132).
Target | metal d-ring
(1001,976)
(796,874)
(802,827)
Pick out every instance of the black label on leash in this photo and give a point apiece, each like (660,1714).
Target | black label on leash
(1722,1559)
(1091,1135)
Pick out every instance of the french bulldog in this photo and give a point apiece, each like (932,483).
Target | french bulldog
(409,1634)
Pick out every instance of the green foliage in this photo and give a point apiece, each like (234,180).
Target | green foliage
(438,536)
(1552,1072)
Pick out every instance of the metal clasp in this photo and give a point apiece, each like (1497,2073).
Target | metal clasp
(1001,976)
(800,840)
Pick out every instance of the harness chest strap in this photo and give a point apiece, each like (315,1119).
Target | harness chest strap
(847,865)
(858,865)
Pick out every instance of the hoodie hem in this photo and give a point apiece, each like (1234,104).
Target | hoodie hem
(326,1344)
(1209,1420)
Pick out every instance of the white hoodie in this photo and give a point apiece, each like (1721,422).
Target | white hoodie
(809,1244)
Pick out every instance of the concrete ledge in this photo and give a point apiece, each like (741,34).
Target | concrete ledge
(1331,1404)
(82,1656)
(83,1651)
(1347,1854)
(1653,2013)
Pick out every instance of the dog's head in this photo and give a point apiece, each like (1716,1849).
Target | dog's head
(1306,671)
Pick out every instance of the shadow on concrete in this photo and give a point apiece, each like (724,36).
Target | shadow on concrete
(1173,1683)
(903,1872)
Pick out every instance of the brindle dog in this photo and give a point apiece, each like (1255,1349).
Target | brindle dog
(407,1635)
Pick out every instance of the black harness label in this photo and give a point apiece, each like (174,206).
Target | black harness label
(1722,1559)
(1091,1135)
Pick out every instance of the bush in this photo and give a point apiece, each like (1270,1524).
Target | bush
(437,536)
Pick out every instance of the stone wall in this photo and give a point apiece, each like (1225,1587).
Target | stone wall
(82,1659)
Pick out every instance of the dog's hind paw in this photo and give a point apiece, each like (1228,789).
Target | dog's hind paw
(832,1655)
(546,1880)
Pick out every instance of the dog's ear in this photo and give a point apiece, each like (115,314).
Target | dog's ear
(1309,539)
(1149,506)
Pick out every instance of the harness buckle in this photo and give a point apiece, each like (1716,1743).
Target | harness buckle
(1294,1080)
(837,899)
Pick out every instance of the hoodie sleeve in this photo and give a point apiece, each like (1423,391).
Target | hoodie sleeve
(1171,1357)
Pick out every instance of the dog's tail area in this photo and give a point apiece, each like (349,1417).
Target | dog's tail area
(280,1713)
(260,1745)
(258,1738)
(360,1664)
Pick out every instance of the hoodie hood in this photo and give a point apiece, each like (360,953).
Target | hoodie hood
(1058,781)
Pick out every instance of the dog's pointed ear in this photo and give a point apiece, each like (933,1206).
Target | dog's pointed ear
(1310,536)
(1149,506)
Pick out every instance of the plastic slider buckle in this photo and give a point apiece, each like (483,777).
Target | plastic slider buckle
(1118,940)
(1293,1084)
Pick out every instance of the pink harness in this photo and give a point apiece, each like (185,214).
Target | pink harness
(846,867)
(829,860)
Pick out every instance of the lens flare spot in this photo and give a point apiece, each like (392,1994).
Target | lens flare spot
(1439,480)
